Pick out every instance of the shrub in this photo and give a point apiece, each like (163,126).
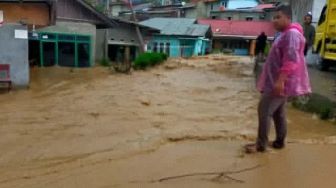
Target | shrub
(105,62)
(149,59)
(164,56)
(155,58)
(317,104)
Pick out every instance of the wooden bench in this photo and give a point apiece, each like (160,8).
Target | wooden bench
(5,75)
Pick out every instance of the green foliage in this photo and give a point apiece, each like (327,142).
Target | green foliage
(105,62)
(216,51)
(142,61)
(317,104)
(98,6)
(267,48)
(149,59)
(164,56)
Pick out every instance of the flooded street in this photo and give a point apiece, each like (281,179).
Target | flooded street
(182,124)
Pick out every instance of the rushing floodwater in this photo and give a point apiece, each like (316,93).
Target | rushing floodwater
(92,128)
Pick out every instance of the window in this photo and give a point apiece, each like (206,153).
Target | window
(49,53)
(168,49)
(66,54)
(83,54)
(224,3)
(249,18)
(323,15)
(161,47)
(155,44)
(225,44)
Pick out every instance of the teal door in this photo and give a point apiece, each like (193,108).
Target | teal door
(48,54)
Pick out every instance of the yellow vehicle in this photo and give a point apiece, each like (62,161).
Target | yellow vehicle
(325,39)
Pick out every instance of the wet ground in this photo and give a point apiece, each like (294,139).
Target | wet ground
(179,125)
(324,83)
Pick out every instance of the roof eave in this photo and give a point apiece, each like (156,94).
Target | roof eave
(217,35)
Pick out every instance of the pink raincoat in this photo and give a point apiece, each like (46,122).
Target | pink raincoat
(286,57)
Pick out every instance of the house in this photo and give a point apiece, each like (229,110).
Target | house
(237,36)
(169,2)
(34,12)
(178,37)
(116,7)
(47,33)
(216,5)
(247,10)
(147,11)
(194,10)
(14,51)
(71,40)
(239,14)
(121,43)
(16,18)
(61,32)
(228,10)
(122,8)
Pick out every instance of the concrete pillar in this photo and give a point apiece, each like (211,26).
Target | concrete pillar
(127,55)
(253,47)
(106,44)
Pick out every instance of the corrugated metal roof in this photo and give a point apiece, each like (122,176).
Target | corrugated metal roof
(239,28)
(177,26)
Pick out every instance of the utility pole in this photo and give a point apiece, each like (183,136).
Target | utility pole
(107,8)
(137,28)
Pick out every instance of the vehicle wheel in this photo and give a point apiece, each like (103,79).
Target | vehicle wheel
(322,64)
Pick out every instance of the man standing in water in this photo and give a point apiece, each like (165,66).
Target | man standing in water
(284,75)
(309,32)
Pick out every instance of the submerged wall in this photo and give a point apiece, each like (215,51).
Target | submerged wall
(14,51)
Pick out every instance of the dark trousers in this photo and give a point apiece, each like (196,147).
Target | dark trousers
(306,49)
(271,107)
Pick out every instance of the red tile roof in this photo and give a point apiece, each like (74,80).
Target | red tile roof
(239,28)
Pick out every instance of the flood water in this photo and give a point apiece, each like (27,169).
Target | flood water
(96,128)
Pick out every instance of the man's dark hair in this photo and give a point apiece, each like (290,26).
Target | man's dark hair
(286,9)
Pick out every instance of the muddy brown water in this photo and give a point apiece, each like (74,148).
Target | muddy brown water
(182,124)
